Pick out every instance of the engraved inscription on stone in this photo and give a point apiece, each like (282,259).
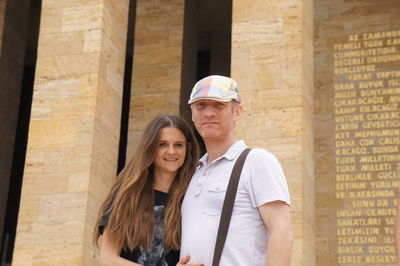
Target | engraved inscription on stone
(367,146)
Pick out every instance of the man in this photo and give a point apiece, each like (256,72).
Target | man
(260,231)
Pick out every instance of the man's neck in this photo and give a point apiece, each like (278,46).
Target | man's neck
(216,148)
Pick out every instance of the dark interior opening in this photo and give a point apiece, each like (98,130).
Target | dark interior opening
(20,39)
(126,95)
(206,46)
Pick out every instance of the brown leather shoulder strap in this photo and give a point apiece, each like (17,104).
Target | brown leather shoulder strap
(228,206)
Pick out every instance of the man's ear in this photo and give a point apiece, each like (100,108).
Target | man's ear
(237,111)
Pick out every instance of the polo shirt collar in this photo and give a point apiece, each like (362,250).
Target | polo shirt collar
(230,154)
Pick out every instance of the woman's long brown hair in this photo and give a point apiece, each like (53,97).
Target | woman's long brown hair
(131,199)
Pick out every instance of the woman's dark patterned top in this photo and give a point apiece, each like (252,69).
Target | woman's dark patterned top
(156,255)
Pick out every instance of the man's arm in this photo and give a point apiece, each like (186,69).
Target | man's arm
(276,217)
(397,230)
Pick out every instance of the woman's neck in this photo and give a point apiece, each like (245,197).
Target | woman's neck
(163,180)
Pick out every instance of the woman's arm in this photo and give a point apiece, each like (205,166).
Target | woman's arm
(109,255)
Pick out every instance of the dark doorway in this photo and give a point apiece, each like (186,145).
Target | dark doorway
(17,71)
(206,46)
(126,96)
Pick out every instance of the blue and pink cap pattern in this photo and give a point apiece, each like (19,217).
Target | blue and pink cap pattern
(215,87)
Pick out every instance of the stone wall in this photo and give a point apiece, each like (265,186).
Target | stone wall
(157,59)
(272,62)
(74,130)
(335,22)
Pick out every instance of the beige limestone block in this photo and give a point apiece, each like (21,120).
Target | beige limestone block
(62,207)
(68,3)
(58,88)
(276,98)
(67,159)
(84,126)
(92,41)
(29,212)
(34,162)
(50,21)
(88,85)
(153,37)
(66,43)
(62,66)
(258,32)
(148,102)
(273,123)
(25,256)
(47,183)
(77,181)
(71,108)
(52,133)
(59,254)
(80,18)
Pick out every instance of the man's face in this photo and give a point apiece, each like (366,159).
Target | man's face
(215,120)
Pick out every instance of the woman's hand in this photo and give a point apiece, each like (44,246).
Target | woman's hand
(185,260)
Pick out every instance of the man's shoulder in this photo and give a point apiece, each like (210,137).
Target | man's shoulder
(261,154)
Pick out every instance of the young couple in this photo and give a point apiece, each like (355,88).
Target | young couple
(165,206)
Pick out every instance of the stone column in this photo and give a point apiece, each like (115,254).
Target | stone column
(74,130)
(272,60)
(156,77)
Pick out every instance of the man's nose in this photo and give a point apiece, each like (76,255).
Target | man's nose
(209,111)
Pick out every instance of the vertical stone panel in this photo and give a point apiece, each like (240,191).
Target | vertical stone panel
(156,76)
(74,130)
(335,22)
(272,61)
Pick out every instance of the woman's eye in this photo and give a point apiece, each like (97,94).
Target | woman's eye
(163,144)
(179,145)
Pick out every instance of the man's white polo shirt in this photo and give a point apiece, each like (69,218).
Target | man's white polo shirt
(262,180)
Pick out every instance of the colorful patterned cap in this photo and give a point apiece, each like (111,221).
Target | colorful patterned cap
(218,88)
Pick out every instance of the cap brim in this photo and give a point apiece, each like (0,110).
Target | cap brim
(209,98)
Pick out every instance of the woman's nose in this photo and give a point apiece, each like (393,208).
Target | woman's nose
(171,149)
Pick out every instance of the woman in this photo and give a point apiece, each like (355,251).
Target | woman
(139,223)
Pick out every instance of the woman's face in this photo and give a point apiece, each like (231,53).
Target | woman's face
(170,151)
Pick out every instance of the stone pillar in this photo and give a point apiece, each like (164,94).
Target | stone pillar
(74,130)
(156,77)
(272,60)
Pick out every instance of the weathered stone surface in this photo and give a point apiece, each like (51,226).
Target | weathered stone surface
(74,130)
(334,22)
(156,77)
(272,62)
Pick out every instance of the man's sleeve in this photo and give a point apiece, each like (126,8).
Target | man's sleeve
(266,181)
